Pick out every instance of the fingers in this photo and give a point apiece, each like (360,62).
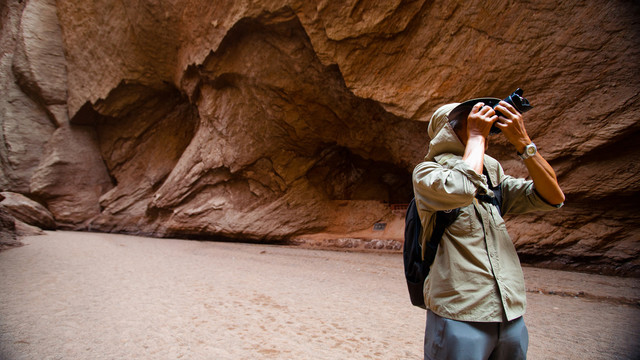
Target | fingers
(477,107)
(510,121)
(480,108)
(480,120)
(504,121)
(489,113)
(502,124)
(507,105)
(507,110)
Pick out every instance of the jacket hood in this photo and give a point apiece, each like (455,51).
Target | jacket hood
(443,138)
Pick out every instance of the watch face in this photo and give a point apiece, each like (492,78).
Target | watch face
(531,150)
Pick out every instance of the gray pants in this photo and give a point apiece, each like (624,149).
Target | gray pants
(446,339)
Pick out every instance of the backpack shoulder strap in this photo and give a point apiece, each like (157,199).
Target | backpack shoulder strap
(443,220)
(496,199)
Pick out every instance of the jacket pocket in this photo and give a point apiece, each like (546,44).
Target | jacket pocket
(466,223)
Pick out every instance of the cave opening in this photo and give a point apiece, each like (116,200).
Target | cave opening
(343,175)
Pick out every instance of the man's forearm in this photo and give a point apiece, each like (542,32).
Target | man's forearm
(544,179)
(474,153)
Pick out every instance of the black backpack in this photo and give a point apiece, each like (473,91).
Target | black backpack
(416,270)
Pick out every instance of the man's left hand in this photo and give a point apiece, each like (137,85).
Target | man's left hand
(512,126)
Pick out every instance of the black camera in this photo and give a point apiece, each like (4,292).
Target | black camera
(517,101)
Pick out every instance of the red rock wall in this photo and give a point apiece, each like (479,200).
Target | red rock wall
(289,119)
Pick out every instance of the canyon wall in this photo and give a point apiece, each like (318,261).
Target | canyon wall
(301,121)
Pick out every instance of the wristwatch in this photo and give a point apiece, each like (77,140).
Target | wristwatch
(529,151)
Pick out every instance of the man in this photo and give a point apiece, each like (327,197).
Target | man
(475,292)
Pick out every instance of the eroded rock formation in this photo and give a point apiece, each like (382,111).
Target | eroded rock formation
(27,210)
(299,120)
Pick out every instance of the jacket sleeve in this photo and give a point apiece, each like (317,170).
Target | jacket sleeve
(437,187)
(519,196)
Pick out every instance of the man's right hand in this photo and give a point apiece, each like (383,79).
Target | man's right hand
(480,120)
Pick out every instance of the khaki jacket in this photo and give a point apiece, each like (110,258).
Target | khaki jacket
(476,275)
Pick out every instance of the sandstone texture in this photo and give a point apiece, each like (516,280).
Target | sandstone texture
(301,121)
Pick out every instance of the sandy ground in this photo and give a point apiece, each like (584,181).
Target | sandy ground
(69,295)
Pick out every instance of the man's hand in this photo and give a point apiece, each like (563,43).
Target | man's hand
(480,120)
(512,126)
